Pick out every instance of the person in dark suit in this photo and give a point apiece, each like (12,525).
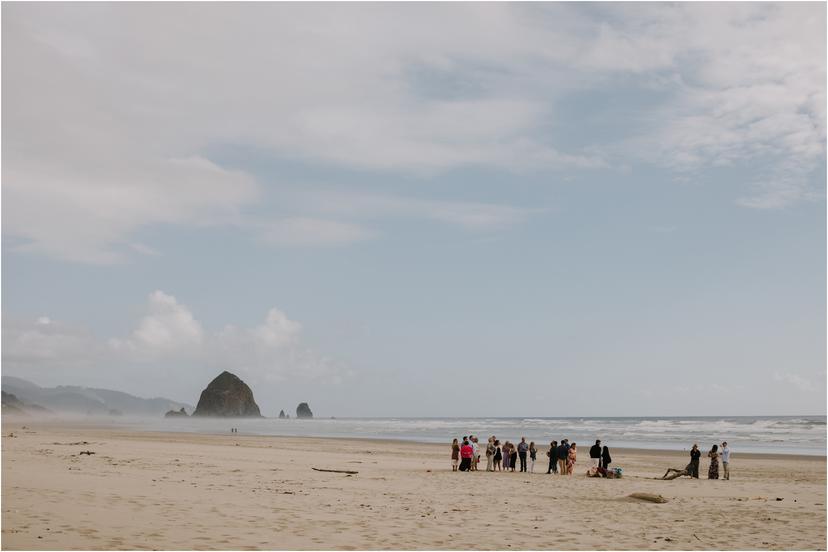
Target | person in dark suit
(563,453)
(695,457)
(552,453)
(595,455)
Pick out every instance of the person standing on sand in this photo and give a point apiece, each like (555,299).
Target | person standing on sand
(455,455)
(563,452)
(533,455)
(606,459)
(513,459)
(466,452)
(695,458)
(490,454)
(498,456)
(570,459)
(521,449)
(726,461)
(713,471)
(507,455)
(552,453)
(475,453)
(595,455)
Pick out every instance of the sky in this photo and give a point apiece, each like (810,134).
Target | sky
(419,209)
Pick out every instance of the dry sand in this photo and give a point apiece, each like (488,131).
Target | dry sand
(185,491)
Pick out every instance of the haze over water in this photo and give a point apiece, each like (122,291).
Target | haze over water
(777,434)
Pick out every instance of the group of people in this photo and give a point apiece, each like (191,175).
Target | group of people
(714,455)
(465,456)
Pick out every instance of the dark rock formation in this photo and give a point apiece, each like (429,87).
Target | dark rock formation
(281,414)
(227,396)
(303,411)
(176,413)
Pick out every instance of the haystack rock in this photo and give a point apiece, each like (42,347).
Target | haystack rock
(281,414)
(227,396)
(303,411)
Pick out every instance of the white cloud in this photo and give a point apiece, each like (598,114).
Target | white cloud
(108,108)
(46,344)
(168,336)
(749,87)
(167,327)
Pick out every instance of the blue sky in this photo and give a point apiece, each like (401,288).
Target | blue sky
(499,209)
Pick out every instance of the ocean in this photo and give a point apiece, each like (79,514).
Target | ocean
(770,434)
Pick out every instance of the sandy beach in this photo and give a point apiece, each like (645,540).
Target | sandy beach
(142,490)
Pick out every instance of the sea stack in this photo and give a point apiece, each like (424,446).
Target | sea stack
(227,396)
(281,414)
(176,413)
(303,411)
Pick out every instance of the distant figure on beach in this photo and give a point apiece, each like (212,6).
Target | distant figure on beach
(570,459)
(498,456)
(521,449)
(563,452)
(533,455)
(475,452)
(595,455)
(606,459)
(455,455)
(490,454)
(466,453)
(726,461)
(713,471)
(552,453)
(695,457)
(514,458)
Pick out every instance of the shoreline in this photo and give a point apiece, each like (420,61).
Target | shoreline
(99,425)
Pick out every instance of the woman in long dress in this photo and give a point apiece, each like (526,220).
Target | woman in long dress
(713,472)
(455,455)
(570,459)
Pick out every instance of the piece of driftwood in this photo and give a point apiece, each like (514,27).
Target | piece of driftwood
(349,472)
(649,497)
(673,473)
(89,452)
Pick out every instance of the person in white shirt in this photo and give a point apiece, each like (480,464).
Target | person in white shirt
(726,460)
(475,452)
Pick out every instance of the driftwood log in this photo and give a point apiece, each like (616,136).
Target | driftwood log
(89,452)
(673,473)
(649,497)
(349,472)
